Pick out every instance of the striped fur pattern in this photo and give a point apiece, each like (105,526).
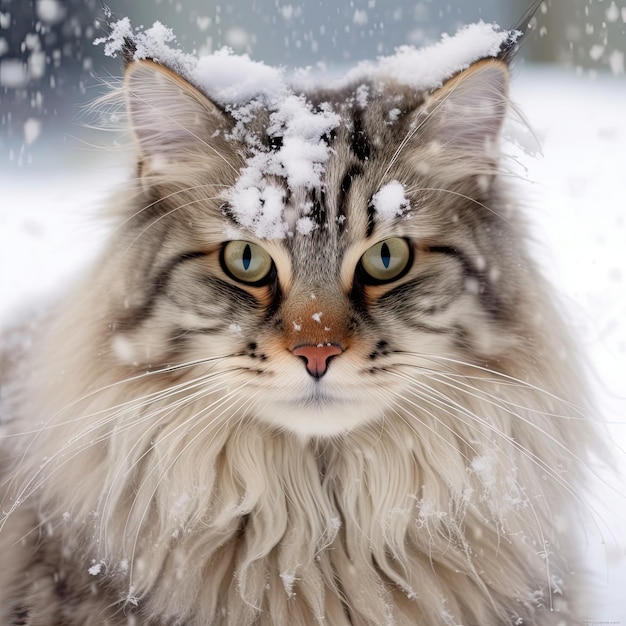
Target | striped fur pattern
(168,459)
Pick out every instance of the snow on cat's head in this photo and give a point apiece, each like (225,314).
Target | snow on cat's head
(243,86)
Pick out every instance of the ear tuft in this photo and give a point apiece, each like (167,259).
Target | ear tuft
(518,33)
(129,48)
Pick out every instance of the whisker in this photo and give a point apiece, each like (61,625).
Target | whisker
(443,400)
(410,134)
(459,195)
(491,427)
(503,376)
(431,414)
(111,415)
(531,456)
(223,401)
(162,217)
(125,381)
(167,197)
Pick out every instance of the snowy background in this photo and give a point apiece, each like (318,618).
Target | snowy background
(54,178)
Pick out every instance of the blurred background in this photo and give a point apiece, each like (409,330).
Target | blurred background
(49,66)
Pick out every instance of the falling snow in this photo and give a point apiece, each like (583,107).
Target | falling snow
(13,73)
(612,13)
(32,130)
(50,11)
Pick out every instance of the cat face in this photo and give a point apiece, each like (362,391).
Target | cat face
(318,301)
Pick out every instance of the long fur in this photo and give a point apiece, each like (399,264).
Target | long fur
(168,461)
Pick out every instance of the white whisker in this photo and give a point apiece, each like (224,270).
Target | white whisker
(166,215)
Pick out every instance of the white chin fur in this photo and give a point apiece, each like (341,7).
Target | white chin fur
(325,418)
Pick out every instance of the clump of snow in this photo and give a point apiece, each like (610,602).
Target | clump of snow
(362,95)
(393,116)
(501,494)
(233,80)
(305,226)
(131,598)
(389,201)
(289,580)
(96,568)
(427,68)
(484,468)
(256,202)
(152,43)
(303,153)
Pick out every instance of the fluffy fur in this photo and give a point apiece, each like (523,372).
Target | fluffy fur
(168,460)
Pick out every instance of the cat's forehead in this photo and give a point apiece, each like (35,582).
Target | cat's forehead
(317,167)
(333,115)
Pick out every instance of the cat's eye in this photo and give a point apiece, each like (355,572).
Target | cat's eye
(246,262)
(387,260)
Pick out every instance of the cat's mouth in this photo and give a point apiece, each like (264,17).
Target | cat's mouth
(318,398)
(317,410)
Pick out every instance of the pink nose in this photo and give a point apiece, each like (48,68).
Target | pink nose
(317,357)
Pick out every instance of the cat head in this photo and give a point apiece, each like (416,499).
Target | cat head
(313,256)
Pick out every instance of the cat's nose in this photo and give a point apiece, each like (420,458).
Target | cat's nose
(317,356)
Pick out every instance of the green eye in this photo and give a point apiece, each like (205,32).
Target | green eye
(246,262)
(386,260)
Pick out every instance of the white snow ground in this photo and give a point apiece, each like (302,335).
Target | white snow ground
(576,203)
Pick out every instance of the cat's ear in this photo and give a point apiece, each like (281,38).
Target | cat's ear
(464,117)
(171,120)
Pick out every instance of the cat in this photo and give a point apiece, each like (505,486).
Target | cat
(362,408)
